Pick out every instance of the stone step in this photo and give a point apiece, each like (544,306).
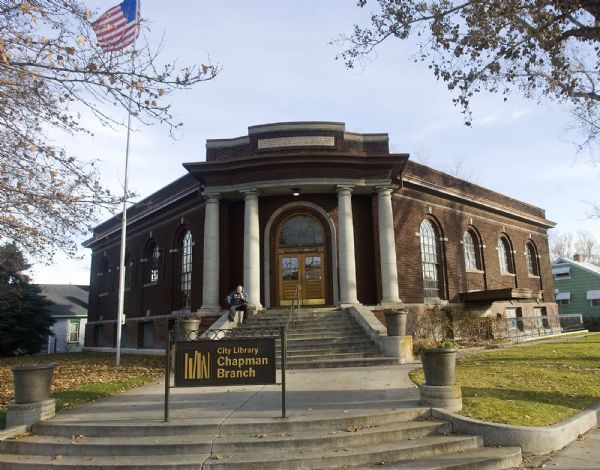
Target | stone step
(319,317)
(465,459)
(292,358)
(400,438)
(320,343)
(345,456)
(335,349)
(247,443)
(316,328)
(232,426)
(319,363)
(59,462)
(327,335)
(484,458)
(337,321)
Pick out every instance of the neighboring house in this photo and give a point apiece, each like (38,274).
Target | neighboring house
(577,287)
(70,309)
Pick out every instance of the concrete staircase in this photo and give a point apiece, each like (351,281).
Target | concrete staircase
(402,438)
(322,337)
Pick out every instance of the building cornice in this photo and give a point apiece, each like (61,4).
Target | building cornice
(297,126)
(140,215)
(473,200)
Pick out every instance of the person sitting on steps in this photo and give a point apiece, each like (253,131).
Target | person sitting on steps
(237,301)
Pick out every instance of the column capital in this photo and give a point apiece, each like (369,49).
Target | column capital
(342,188)
(250,193)
(211,196)
(384,190)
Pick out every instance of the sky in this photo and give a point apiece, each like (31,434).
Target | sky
(277,65)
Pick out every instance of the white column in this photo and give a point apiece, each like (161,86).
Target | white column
(387,246)
(346,263)
(210,271)
(252,248)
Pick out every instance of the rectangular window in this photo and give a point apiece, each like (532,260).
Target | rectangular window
(595,302)
(289,269)
(562,272)
(541,317)
(511,315)
(563,301)
(98,335)
(74,332)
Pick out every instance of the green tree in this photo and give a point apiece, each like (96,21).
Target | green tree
(544,48)
(24,319)
(55,79)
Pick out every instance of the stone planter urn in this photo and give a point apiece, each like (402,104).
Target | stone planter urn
(32,395)
(395,321)
(187,329)
(439,366)
(32,383)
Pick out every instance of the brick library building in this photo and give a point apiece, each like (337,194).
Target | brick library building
(312,204)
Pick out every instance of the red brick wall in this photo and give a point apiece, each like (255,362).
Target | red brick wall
(411,207)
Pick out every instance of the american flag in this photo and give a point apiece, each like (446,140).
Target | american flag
(118,27)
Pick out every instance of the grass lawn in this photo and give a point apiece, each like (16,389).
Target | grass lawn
(532,385)
(83,377)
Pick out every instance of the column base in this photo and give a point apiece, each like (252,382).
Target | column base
(30,413)
(208,311)
(448,397)
(392,304)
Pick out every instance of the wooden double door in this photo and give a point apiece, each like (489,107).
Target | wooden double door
(302,269)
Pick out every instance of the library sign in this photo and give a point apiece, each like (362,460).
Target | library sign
(225,362)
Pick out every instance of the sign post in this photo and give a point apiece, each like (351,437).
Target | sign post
(244,356)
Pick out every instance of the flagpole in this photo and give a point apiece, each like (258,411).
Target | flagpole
(122,268)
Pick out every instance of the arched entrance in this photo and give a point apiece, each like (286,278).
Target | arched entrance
(301,259)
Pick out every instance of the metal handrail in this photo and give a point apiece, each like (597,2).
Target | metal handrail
(295,301)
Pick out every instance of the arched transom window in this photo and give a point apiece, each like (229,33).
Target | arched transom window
(430,259)
(301,230)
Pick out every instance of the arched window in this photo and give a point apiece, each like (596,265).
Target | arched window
(531,259)
(430,259)
(185,269)
(471,250)
(152,263)
(505,256)
(301,230)
(103,281)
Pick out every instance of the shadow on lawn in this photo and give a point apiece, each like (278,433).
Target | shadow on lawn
(548,398)
(570,360)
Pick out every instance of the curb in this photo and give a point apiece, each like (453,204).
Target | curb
(531,439)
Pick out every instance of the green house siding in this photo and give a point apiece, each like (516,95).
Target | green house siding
(578,284)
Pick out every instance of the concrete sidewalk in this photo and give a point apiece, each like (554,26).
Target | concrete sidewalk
(583,453)
(310,393)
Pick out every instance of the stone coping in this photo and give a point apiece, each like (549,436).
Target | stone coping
(536,440)
(14,431)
